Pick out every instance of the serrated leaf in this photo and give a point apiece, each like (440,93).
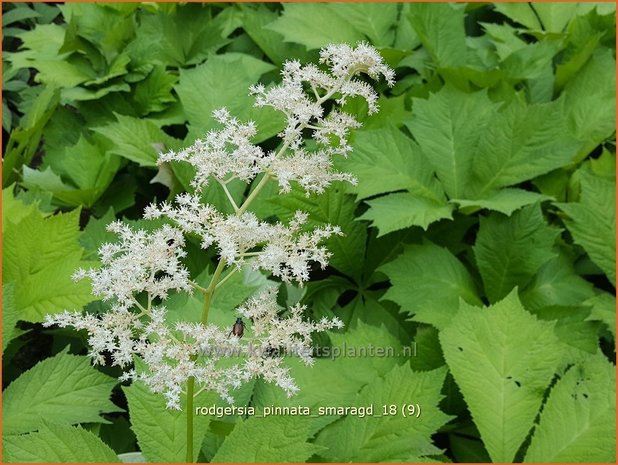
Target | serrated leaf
(440,28)
(161,432)
(522,142)
(314,25)
(375,20)
(40,256)
(9,314)
(592,221)
(61,389)
(502,359)
(603,309)
(155,92)
(590,100)
(270,440)
(586,430)
(398,211)
(428,282)
(556,284)
(227,78)
(385,437)
(57,444)
(448,127)
(134,139)
(529,240)
(504,200)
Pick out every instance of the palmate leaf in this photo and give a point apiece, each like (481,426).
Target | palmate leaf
(389,437)
(62,389)
(57,444)
(529,240)
(603,309)
(578,422)
(428,282)
(592,221)
(9,314)
(271,439)
(502,359)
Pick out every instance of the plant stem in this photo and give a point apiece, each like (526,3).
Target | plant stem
(190,386)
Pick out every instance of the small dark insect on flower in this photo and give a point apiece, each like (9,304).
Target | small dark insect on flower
(270,351)
(170,242)
(238,328)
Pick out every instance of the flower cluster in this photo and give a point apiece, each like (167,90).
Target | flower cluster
(138,271)
(195,350)
(140,262)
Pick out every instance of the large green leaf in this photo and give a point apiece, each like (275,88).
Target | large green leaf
(502,359)
(592,221)
(428,281)
(578,422)
(271,439)
(389,437)
(529,241)
(57,444)
(62,389)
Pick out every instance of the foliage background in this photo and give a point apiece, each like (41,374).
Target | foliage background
(482,227)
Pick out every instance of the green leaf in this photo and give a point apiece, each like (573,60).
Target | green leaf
(62,389)
(398,211)
(590,101)
(502,359)
(504,200)
(448,126)
(375,20)
(57,444)
(592,221)
(255,17)
(9,314)
(428,282)
(135,139)
(586,430)
(385,161)
(155,92)
(522,142)
(183,37)
(161,432)
(556,284)
(314,25)
(529,240)
(271,439)
(384,437)
(39,256)
(227,78)
(603,309)
(441,30)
